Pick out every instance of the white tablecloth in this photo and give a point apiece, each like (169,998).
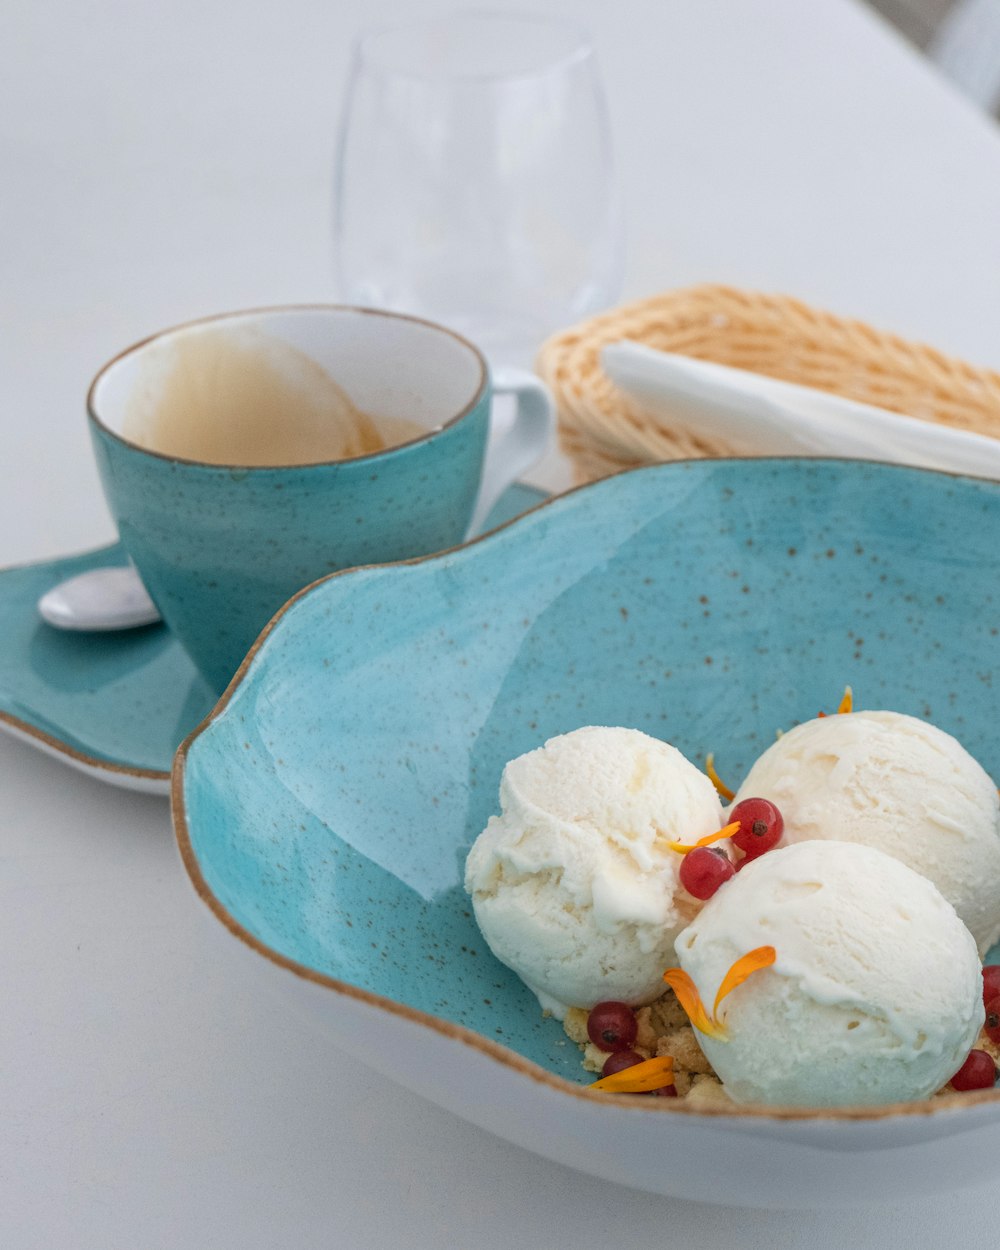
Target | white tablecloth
(161,162)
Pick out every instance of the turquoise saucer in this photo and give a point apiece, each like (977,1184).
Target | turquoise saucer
(115,705)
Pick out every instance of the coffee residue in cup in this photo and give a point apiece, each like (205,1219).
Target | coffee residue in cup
(235,396)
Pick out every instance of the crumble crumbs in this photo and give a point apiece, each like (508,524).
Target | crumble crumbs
(662,1029)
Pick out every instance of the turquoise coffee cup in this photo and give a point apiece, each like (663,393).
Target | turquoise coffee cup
(221,547)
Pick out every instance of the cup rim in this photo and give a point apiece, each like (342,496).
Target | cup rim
(473,402)
(581,49)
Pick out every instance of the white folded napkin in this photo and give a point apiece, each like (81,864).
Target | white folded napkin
(755,415)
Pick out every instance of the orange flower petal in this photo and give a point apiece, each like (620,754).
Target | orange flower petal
(753,961)
(690,1000)
(640,1078)
(847,702)
(685,848)
(715,779)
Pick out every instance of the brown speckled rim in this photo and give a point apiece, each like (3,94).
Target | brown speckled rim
(459,1033)
(241,314)
(80,759)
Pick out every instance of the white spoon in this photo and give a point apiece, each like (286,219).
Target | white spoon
(102,599)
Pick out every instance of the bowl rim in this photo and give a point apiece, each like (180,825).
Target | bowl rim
(504,1055)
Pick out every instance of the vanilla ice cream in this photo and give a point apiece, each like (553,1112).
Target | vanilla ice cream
(573,884)
(900,785)
(875,995)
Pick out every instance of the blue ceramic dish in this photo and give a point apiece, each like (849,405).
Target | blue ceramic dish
(325,809)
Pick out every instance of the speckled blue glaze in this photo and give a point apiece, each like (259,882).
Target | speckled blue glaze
(221,549)
(331,803)
(123,700)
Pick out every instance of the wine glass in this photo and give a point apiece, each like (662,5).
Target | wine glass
(474,180)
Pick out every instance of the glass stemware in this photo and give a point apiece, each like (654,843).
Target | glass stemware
(474,180)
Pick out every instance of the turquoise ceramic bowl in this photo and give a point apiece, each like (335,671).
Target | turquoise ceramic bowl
(325,809)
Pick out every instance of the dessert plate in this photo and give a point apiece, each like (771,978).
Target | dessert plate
(325,809)
(115,705)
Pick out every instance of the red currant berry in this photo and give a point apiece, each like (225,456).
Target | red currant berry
(992,1026)
(611,1026)
(704,869)
(991,982)
(978,1072)
(620,1060)
(761,826)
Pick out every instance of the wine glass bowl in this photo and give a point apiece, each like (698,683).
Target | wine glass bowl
(474,177)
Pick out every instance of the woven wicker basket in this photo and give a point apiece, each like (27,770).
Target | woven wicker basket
(602,430)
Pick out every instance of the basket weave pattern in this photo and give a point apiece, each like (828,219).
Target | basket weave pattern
(602,430)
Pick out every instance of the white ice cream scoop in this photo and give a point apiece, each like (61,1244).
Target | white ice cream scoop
(573,884)
(901,785)
(875,994)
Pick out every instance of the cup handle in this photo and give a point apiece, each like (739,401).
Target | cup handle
(519,444)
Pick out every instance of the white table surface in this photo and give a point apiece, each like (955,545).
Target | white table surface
(161,162)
